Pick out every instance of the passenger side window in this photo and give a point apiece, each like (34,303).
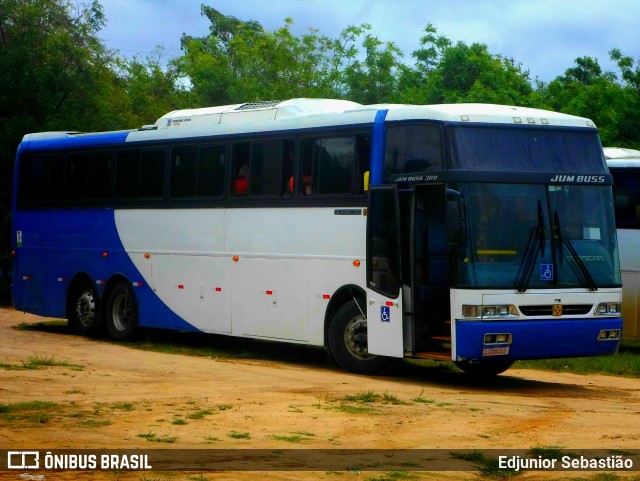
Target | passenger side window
(197,172)
(328,165)
(262,168)
(140,174)
(88,176)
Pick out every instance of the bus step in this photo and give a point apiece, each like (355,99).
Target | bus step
(438,356)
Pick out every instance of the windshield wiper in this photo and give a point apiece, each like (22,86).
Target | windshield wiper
(563,241)
(535,244)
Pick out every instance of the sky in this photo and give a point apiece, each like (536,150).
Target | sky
(544,36)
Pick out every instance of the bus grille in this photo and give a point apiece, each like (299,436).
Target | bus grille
(547,310)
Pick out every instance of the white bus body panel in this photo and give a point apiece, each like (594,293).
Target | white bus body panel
(384,325)
(289,263)
(628,243)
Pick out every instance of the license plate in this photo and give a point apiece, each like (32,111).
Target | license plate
(495,351)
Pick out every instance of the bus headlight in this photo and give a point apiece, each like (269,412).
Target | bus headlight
(607,309)
(489,312)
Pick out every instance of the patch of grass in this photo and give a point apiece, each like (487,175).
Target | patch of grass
(37,412)
(95,423)
(179,421)
(350,409)
(373,397)
(38,361)
(363,397)
(10,367)
(393,476)
(297,437)
(625,363)
(123,406)
(153,437)
(224,407)
(199,414)
(487,465)
(237,435)
(211,439)
(420,399)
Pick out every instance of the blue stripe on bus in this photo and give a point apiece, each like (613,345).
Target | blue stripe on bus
(107,139)
(538,339)
(377,148)
(59,244)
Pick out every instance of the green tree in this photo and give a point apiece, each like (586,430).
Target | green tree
(448,73)
(50,62)
(374,77)
(586,90)
(239,61)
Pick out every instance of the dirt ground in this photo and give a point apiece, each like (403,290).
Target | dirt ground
(113,396)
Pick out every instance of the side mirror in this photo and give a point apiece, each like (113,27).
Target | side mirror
(455,217)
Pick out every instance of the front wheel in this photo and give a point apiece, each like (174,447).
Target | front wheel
(348,342)
(484,369)
(121,313)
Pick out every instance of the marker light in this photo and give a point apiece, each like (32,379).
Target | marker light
(147,255)
(235,258)
(105,254)
(356,263)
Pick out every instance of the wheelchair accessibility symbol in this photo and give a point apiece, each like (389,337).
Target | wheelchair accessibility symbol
(385,314)
(546,272)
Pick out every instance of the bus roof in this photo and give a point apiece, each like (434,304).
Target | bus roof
(621,157)
(305,113)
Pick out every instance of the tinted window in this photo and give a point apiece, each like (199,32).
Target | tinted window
(41,179)
(626,191)
(413,148)
(88,176)
(328,165)
(262,168)
(140,174)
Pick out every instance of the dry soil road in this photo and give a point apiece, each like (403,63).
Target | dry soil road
(113,396)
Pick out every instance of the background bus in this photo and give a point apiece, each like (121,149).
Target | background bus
(624,165)
(475,233)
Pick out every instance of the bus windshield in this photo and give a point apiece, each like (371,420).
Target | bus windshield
(526,236)
(527,150)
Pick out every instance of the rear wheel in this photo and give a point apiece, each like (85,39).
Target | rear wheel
(485,369)
(348,342)
(121,313)
(83,309)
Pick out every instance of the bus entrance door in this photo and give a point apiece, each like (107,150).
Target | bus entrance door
(384,302)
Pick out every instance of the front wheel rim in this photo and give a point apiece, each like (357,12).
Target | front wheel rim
(355,338)
(86,309)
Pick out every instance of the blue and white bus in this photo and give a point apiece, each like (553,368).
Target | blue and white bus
(624,165)
(480,234)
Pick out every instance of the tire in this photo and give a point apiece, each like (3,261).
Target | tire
(348,342)
(121,315)
(83,309)
(484,369)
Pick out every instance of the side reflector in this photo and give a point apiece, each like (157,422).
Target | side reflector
(235,258)
(356,263)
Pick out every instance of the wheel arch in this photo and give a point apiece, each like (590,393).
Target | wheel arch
(339,298)
(113,281)
(79,279)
